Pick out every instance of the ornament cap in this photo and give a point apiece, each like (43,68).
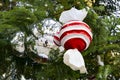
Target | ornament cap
(83,69)
(74,60)
(73,14)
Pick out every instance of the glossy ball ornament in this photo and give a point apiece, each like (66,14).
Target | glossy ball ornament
(75,35)
(44,43)
(45,40)
(18,44)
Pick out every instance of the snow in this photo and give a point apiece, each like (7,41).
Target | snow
(118,28)
(100,62)
(23,78)
(43,55)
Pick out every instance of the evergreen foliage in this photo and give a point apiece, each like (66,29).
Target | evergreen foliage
(21,15)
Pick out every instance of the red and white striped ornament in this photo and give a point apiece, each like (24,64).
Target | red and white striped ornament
(75,34)
(56,39)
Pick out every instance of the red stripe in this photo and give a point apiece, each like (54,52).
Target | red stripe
(76,31)
(57,38)
(56,43)
(75,23)
(75,43)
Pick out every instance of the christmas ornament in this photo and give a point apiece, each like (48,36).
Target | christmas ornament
(45,40)
(50,26)
(75,32)
(75,36)
(56,39)
(18,44)
(44,43)
(39,48)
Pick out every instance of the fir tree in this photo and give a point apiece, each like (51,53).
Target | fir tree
(22,15)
